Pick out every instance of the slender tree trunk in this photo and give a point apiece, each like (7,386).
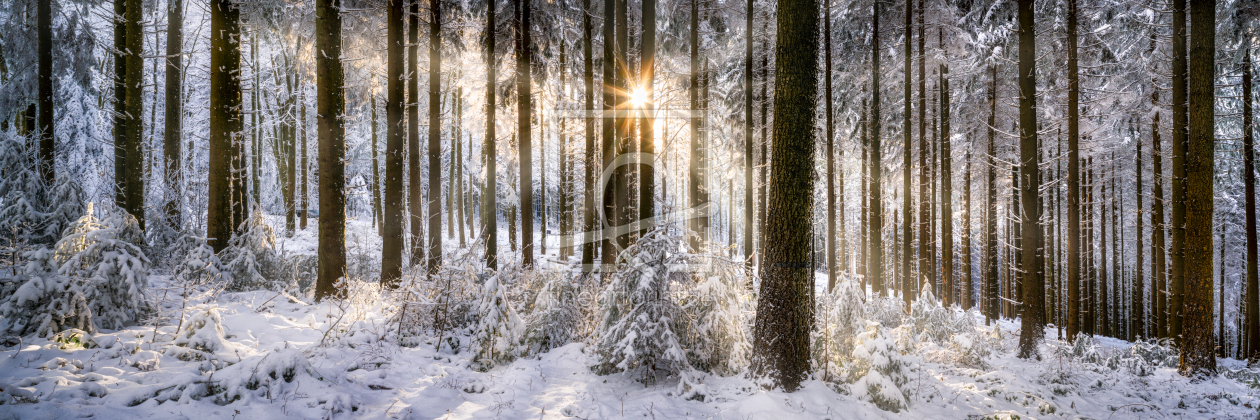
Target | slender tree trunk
(1179,150)
(1249,182)
(968,289)
(764,155)
(458,164)
(1159,253)
(647,61)
(332,148)
(377,209)
(305,199)
(831,149)
(588,96)
(612,187)
(1073,179)
(781,332)
(435,136)
(1137,324)
(44,74)
(524,113)
(392,223)
(415,194)
(174,113)
(490,206)
(991,258)
(750,247)
(909,281)
(697,188)
(225,121)
(1198,339)
(947,193)
(875,258)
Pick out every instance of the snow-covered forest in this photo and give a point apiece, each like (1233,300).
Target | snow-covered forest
(833,209)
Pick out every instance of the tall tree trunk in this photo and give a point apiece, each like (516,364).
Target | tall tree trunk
(305,199)
(415,194)
(225,120)
(332,148)
(377,210)
(1249,182)
(1137,324)
(908,282)
(624,212)
(1103,292)
(612,187)
(991,264)
(46,135)
(696,174)
(831,149)
(588,97)
(1179,150)
(947,193)
(435,136)
(764,154)
(1198,339)
(525,111)
(128,107)
(1159,253)
(490,206)
(392,223)
(875,258)
(781,333)
(458,164)
(647,62)
(1033,324)
(750,247)
(173,132)
(967,278)
(1073,179)
(256,122)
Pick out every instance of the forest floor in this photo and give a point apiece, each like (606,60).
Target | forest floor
(281,358)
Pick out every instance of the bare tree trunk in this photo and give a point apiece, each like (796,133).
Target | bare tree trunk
(750,247)
(1073,179)
(909,281)
(947,193)
(1198,338)
(588,96)
(991,258)
(174,113)
(490,206)
(332,148)
(1179,150)
(225,121)
(128,106)
(647,61)
(875,258)
(525,111)
(831,149)
(392,223)
(1033,323)
(781,333)
(305,199)
(415,194)
(1249,182)
(377,210)
(435,136)
(1137,324)
(44,74)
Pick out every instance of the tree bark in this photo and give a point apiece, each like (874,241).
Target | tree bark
(490,206)
(128,107)
(332,148)
(47,153)
(415,194)
(1249,182)
(1073,179)
(225,121)
(392,223)
(990,302)
(1198,335)
(173,131)
(647,143)
(590,163)
(947,193)
(1033,323)
(875,258)
(750,247)
(1179,150)
(435,136)
(831,152)
(784,308)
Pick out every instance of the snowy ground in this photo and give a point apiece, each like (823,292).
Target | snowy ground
(135,373)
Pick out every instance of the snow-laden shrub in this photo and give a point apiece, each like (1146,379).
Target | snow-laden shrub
(839,316)
(554,317)
(251,255)
(46,302)
(1086,349)
(200,336)
(888,311)
(644,332)
(199,268)
(497,338)
(261,376)
(715,301)
(73,338)
(666,313)
(104,253)
(23,194)
(881,370)
(444,301)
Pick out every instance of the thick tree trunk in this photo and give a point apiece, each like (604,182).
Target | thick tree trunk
(784,308)
(1033,323)
(392,223)
(612,187)
(173,131)
(1198,338)
(909,281)
(332,148)
(128,107)
(831,149)
(225,121)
